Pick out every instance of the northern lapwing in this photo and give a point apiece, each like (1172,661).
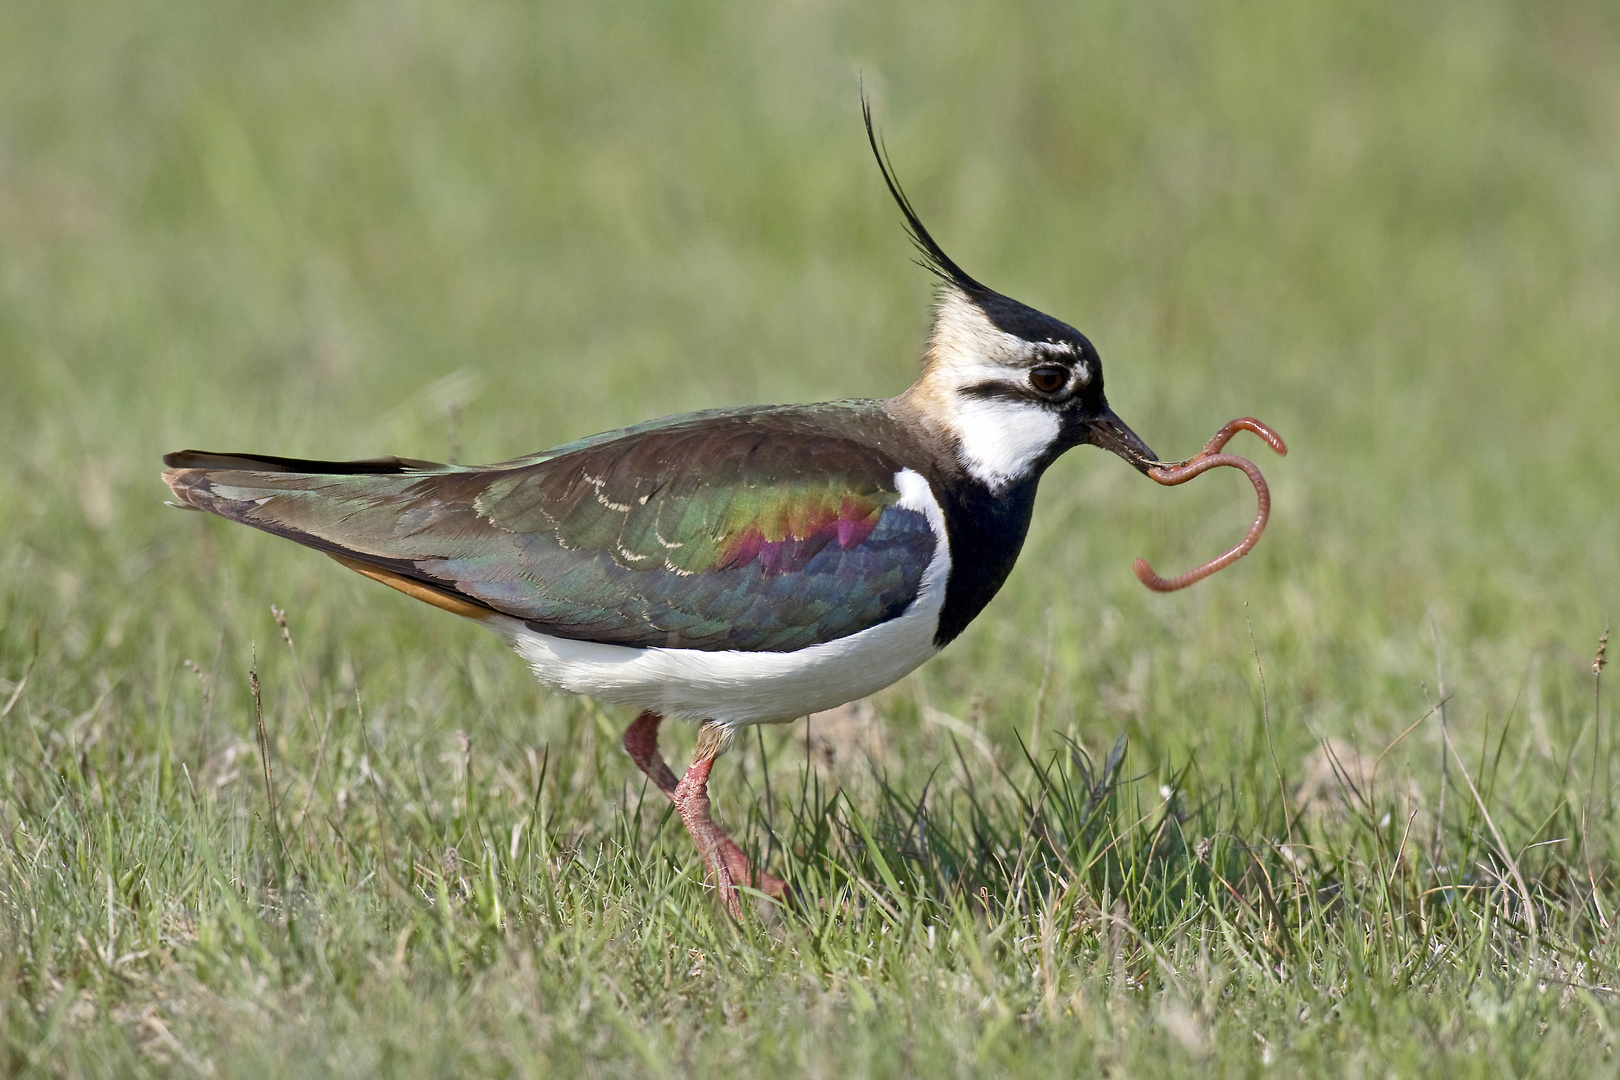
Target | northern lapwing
(735,566)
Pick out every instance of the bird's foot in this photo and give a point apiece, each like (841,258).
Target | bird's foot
(746,873)
(723,861)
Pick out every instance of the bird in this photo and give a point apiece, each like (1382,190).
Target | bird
(735,566)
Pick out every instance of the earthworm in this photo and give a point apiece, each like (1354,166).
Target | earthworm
(1208,458)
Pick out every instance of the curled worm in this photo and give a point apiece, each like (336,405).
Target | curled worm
(1210,457)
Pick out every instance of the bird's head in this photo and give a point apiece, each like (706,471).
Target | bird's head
(1011,387)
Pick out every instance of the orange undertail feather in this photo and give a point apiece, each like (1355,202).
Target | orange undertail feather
(416,590)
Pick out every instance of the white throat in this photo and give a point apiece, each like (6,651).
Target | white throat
(998,441)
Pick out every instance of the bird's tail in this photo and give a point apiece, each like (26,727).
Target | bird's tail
(190,473)
(348,509)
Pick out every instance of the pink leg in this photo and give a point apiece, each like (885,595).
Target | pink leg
(641,743)
(692,800)
(722,858)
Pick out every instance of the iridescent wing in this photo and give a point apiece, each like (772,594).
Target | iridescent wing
(758,530)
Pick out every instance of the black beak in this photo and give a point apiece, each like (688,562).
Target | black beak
(1109,432)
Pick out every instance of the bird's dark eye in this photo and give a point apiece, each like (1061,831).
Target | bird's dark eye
(1049,378)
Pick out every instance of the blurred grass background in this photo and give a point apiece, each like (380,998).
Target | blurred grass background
(344,230)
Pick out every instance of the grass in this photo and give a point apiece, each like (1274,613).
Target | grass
(430,229)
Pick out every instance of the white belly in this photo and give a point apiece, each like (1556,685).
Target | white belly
(753,687)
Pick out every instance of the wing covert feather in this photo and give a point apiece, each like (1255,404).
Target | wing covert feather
(758,531)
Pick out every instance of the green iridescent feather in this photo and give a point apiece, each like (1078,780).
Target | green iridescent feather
(763,529)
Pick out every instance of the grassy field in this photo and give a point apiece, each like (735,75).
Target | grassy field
(476,230)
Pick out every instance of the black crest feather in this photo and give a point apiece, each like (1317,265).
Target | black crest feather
(933,258)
